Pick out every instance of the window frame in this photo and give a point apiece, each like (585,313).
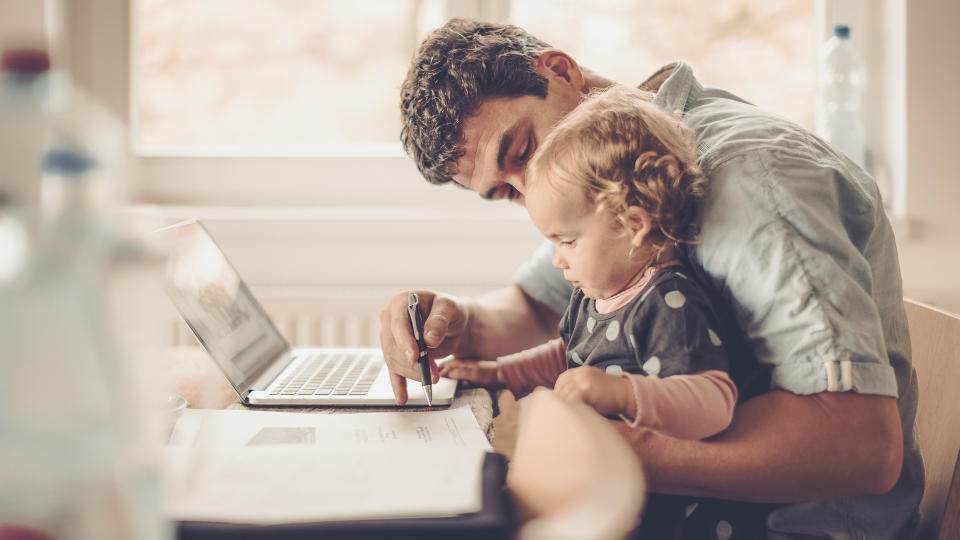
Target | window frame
(101,45)
(99,51)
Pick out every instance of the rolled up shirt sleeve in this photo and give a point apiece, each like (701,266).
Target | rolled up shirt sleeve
(782,240)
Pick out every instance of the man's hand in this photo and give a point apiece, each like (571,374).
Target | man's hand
(443,329)
(481,372)
(607,394)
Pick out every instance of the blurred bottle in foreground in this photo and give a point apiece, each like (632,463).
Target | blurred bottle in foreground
(843,81)
(29,93)
(79,445)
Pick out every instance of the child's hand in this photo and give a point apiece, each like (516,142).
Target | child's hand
(480,372)
(608,394)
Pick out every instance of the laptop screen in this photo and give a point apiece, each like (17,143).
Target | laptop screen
(218,306)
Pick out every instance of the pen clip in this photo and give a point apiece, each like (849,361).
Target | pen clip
(413,310)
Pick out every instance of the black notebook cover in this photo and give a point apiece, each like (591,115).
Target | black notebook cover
(494,520)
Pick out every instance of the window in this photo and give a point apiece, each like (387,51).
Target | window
(321,76)
(293,102)
(273,76)
(762,50)
(271,102)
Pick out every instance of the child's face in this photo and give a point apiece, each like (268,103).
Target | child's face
(592,249)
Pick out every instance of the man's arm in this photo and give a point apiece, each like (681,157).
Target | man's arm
(505,321)
(782,447)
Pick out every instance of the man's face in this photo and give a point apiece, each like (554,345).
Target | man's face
(591,247)
(502,135)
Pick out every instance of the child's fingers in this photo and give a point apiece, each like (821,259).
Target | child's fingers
(450,372)
(462,373)
(448,364)
(455,369)
(444,369)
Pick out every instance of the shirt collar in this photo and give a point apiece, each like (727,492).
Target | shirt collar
(673,93)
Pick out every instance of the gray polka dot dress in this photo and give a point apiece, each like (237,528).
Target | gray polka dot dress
(670,329)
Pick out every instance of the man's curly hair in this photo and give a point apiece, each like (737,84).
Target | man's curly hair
(456,68)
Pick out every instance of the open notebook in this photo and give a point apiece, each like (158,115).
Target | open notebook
(263,468)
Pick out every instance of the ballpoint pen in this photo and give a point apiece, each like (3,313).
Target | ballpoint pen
(416,324)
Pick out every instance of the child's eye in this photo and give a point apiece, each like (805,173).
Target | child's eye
(567,243)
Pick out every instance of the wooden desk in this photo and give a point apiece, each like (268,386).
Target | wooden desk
(195,377)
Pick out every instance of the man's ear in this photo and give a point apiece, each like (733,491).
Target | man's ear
(556,63)
(639,225)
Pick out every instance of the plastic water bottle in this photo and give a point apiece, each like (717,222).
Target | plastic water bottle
(79,452)
(76,458)
(40,109)
(28,93)
(843,81)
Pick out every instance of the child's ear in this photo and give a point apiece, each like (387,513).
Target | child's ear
(639,224)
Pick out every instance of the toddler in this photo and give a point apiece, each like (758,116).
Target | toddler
(615,188)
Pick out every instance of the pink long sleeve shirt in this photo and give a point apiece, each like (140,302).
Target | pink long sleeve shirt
(685,406)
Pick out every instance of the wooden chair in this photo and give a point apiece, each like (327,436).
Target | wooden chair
(935,340)
(572,475)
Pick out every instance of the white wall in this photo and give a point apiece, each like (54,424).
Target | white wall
(21,21)
(930,256)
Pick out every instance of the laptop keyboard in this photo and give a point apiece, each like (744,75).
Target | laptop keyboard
(330,374)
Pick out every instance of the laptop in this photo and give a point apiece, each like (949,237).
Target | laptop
(244,342)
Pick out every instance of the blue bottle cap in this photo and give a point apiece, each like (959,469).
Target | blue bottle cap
(66,161)
(842,31)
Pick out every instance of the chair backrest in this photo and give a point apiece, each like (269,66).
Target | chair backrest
(572,475)
(935,341)
(950,524)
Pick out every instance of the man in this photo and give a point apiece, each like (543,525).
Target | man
(794,243)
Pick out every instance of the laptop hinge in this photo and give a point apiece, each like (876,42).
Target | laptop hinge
(276,365)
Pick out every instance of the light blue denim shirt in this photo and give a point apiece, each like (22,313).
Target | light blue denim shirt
(795,240)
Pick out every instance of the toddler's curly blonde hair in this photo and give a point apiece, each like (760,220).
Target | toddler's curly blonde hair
(623,150)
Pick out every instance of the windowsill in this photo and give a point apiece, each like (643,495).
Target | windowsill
(327,151)
(493,216)
(338,245)
(492,213)
(441,228)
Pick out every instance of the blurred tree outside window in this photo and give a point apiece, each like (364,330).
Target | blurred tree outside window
(274,72)
(222,73)
(764,51)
